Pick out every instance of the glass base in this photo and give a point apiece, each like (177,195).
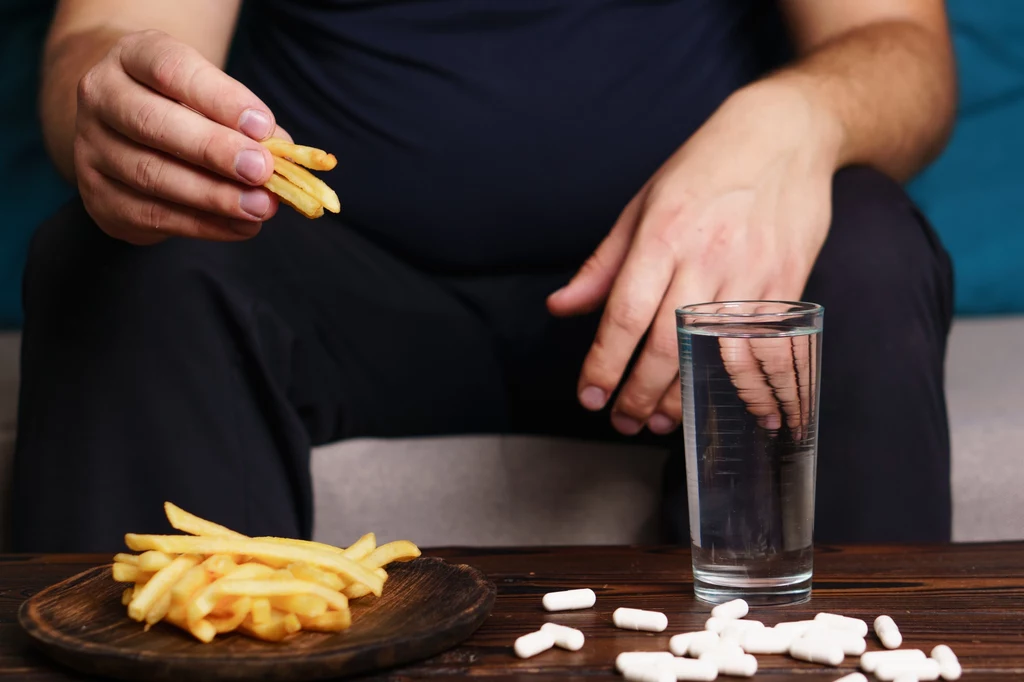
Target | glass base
(755,593)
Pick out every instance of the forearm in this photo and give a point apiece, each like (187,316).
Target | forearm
(888,91)
(64,64)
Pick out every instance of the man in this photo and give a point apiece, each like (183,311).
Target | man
(485,149)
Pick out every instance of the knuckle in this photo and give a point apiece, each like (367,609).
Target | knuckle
(663,347)
(148,173)
(149,119)
(627,317)
(169,66)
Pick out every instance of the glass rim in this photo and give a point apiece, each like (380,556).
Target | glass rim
(796,308)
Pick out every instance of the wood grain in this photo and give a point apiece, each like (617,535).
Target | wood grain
(968,596)
(428,606)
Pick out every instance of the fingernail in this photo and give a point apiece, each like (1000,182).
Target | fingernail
(593,398)
(256,124)
(255,202)
(250,165)
(661,424)
(772,422)
(625,424)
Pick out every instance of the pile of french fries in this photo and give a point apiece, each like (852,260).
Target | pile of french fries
(296,186)
(215,580)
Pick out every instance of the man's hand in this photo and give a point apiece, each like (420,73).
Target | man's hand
(166,144)
(740,211)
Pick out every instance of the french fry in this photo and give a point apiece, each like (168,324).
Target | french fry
(125,573)
(282,588)
(195,579)
(291,623)
(399,550)
(261,611)
(193,525)
(127,595)
(239,611)
(308,183)
(162,581)
(310,605)
(310,157)
(306,204)
(123,558)
(219,565)
(251,572)
(362,547)
(270,631)
(153,561)
(314,575)
(332,621)
(357,590)
(160,609)
(349,570)
(203,630)
(306,544)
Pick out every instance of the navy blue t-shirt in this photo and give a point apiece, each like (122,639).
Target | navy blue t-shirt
(475,135)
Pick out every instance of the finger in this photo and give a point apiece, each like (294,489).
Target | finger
(634,299)
(669,413)
(750,381)
(140,219)
(775,355)
(590,286)
(157,122)
(657,367)
(181,73)
(156,174)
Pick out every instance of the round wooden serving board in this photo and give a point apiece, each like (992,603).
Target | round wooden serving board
(428,606)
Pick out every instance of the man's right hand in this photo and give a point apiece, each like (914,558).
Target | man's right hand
(166,144)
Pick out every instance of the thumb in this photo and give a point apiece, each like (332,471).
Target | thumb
(589,288)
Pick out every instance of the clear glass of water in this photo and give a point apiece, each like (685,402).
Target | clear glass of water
(750,372)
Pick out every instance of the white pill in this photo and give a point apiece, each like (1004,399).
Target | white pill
(680,644)
(633,659)
(817,651)
(766,641)
(796,627)
(744,665)
(565,637)
(689,669)
(533,644)
(870,661)
(834,621)
(722,652)
(717,624)
(703,641)
(907,677)
(638,619)
(737,608)
(924,671)
(851,644)
(648,673)
(568,600)
(735,630)
(853,677)
(949,664)
(888,633)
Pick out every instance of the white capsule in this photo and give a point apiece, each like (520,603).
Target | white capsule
(853,677)
(568,600)
(638,619)
(949,664)
(817,651)
(888,633)
(716,625)
(834,621)
(722,652)
(743,665)
(703,641)
(634,659)
(680,644)
(924,671)
(795,627)
(737,608)
(851,644)
(689,669)
(533,644)
(735,630)
(766,641)
(648,673)
(870,661)
(565,637)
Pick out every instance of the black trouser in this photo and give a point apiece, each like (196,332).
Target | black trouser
(203,373)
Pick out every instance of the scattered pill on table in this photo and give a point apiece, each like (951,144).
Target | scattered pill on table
(796,627)
(888,633)
(738,666)
(534,643)
(679,644)
(949,664)
(632,659)
(568,600)
(817,651)
(638,619)
(565,637)
(648,673)
(853,677)
(870,661)
(851,644)
(722,652)
(703,641)
(924,671)
(766,641)
(737,608)
(735,630)
(834,621)
(717,625)
(691,670)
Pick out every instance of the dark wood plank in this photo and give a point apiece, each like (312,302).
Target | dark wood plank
(428,606)
(968,596)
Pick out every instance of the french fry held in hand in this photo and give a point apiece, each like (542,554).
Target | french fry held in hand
(215,580)
(296,186)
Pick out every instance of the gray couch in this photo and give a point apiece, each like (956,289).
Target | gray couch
(493,490)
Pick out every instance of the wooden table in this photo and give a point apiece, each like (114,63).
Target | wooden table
(968,596)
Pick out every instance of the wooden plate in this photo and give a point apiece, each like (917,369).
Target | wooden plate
(428,606)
